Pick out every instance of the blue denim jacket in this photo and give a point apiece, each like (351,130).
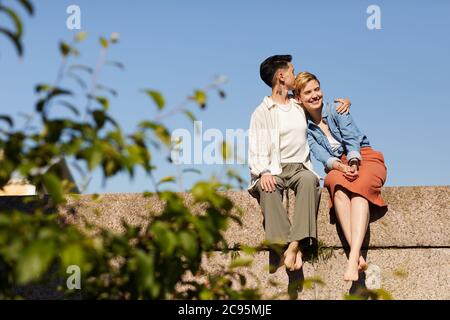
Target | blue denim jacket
(343,129)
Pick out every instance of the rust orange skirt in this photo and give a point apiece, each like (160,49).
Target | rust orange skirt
(372,176)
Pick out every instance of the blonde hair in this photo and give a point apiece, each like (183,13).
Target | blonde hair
(301,80)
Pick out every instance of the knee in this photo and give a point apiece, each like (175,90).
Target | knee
(310,179)
(263,193)
(259,188)
(360,199)
(340,195)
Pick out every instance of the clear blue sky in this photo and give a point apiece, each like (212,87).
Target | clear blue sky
(397,77)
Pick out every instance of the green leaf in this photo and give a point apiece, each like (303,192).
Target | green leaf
(353,297)
(241,262)
(82,67)
(222,94)
(57,92)
(117,64)
(14,39)
(42,88)
(54,187)
(200,97)
(248,250)
(8,120)
(94,158)
(167,179)
(27,5)
(102,100)
(104,42)
(190,115)
(99,117)
(52,92)
(164,237)
(163,134)
(170,243)
(145,272)
(81,36)
(206,192)
(107,89)
(64,48)
(34,261)
(206,295)
(157,98)
(69,106)
(78,80)
(15,18)
(226,151)
(160,131)
(189,244)
(72,254)
(40,105)
(381,293)
(234,175)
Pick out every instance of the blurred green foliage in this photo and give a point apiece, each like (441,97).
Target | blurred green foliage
(143,262)
(160,260)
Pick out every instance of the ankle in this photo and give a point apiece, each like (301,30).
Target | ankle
(293,246)
(353,256)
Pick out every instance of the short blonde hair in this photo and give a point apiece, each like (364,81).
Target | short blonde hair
(302,80)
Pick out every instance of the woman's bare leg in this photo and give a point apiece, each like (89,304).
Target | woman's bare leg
(359,224)
(343,208)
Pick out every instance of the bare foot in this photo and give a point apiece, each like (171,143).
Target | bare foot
(351,273)
(362,264)
(290,255)
(298,260)
(275,261)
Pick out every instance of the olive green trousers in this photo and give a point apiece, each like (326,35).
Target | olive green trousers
(278,227)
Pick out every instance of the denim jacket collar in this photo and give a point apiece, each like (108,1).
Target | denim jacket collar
(324,115)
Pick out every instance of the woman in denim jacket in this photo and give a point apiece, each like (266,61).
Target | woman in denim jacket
(355,172)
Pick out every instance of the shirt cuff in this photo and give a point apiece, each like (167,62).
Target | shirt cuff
(265,171)
(330,162)
(354,154)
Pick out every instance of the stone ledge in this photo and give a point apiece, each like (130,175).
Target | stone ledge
(416,274)
(417,216)
(410,243)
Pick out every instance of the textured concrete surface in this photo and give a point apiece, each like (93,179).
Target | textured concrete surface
(410,243)
(417,216)
(405,273)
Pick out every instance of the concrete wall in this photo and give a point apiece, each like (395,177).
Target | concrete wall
(410,243)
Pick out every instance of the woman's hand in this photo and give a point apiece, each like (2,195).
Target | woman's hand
(344,107)
(350,173)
